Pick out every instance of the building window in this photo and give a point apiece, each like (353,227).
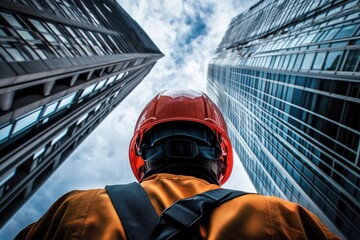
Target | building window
(351,60)
(87,90)
(7,177)
(346,31)
(308,59)
(66,101)
(298,61)
(59,137)
(318,60)
(39,152)
(100,85)
(330,34)
(82,118)
(332,60)
(5,132)
(50,108)
(26,121)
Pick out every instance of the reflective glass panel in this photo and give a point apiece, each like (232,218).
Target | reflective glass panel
(100,85)
(50,108)
(308,39)
(308,59)
(298,61)
(82,118)
(7,176)
(97,107)
(330,35)
(12,20)
(66,101)
(351,60)
(39,152)
(346,32)
(58,137)
(332,60)
(15,53)
(291,62)
(26,121)
(26,35)
(318,61)
(38,25)
(110,80)
(87,90)
(5,132)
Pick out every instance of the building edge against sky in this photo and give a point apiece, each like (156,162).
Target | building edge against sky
(286,76)
(65,65)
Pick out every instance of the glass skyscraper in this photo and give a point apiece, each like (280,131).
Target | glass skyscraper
(287,77)
(64,66)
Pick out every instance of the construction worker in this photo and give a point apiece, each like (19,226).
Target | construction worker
(180,150)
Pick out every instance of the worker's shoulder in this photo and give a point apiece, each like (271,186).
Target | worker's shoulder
(82,195)
(258,202)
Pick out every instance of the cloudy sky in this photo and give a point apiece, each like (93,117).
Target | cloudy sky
(187,32)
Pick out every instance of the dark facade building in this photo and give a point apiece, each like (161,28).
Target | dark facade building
(64,66)
(287,76)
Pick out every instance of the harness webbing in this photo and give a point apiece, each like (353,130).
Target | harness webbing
(137,213)
(135,210)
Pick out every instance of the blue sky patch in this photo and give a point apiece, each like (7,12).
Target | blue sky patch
(198,28)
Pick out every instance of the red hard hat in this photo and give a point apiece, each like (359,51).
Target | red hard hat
(181,105)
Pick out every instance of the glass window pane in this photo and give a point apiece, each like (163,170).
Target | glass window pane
(110,80)
(332,60)
(50,108)
(308,59)
(49,37)
(346,32)
(38,25)
(5,132)
(26,35)
(26,121)
(277,60)
(298,61)
(286,62)
(308,39)
(97,107)
(7,176)
(318,61)
(120,76)
(330,34)
(82,118)
(15,53)
(351,60)
(12,20)
(39,152)
(58,137)
(291,62)
(100,85)
(87,90)
(66,101)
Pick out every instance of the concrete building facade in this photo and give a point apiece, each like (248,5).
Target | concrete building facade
(65,65)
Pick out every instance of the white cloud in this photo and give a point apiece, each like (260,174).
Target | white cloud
(103,157)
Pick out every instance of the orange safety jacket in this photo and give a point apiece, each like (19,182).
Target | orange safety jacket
(90,214)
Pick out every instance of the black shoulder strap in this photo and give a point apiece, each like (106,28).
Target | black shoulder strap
(189,212)
(141,221)
(134,208)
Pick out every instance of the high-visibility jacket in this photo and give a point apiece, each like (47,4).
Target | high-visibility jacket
(90,214)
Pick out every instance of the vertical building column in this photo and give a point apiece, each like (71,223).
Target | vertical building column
(48,86)
(6,100)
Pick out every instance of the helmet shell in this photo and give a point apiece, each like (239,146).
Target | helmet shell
(181,105)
